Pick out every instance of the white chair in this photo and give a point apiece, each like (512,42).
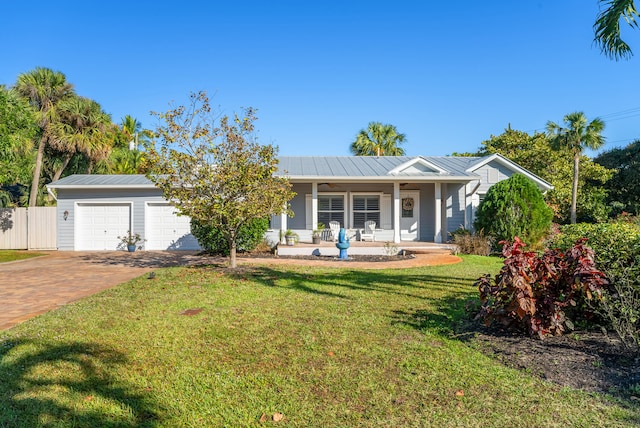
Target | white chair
(335,229)
(369,231)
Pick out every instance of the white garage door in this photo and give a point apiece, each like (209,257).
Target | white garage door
(99,225)
(165,230)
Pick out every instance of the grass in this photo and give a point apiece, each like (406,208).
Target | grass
(322,347)
(11,255)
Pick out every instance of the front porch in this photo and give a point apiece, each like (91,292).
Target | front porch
(328,248)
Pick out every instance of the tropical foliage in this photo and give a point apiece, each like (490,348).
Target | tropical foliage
(538,293)
(576,136)
(623,190)
(535,153)
(378,140)
(607,29)
(44,89)
(216,173)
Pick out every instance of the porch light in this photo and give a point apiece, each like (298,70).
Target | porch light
(65,215)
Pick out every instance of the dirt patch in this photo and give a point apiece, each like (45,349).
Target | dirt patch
(592,361)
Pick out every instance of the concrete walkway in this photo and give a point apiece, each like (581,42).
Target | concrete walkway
(37,285)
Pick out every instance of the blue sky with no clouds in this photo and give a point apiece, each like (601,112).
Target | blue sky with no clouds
(447,74)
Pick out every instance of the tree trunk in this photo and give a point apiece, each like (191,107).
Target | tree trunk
(60,170)
(232,253)
(35,183)
(574,190)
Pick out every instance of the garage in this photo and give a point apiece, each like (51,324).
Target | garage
(166,230)
(99,225)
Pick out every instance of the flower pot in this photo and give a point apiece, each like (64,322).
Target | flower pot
(131,248)
(316,240)
(290,240)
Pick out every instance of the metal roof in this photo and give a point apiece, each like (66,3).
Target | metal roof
(375,167)
(102,181)
(345,168)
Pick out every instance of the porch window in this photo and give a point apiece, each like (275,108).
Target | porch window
(331,208)
(366,208)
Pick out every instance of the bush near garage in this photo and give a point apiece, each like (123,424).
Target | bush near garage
(211,239)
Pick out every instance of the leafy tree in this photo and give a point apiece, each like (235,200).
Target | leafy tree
(216,174)
(534,152)
(17,130)
(514,207)
(578,135)
(44,89)
(607,27)
(624,188)
(378,140)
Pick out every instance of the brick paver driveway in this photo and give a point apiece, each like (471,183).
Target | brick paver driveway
(34,286)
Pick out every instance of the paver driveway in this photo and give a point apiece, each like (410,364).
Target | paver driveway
(34,286)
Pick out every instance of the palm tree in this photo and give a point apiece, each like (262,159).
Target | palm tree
(607,27)
(577,136)
(378,140)
(83,127)
(44,89)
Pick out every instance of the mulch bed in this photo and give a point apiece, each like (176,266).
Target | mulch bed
(593,361)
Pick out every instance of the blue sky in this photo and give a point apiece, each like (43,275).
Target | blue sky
(447,74)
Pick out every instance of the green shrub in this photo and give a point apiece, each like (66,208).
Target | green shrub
(211,238)
(616,249)
(514,207)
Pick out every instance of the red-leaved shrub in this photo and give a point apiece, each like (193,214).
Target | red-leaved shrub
(534,292)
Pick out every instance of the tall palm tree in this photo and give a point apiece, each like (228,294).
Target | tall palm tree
(378,140)
(607,27)
(44,89)
(577,136)
(82,127)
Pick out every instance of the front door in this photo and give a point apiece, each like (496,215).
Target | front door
(409,215)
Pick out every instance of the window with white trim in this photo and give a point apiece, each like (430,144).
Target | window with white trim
(366,208)
(331,208)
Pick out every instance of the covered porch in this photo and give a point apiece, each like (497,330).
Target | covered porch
(420,211)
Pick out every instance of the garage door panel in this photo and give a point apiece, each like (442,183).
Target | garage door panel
(99,225)
(166,230)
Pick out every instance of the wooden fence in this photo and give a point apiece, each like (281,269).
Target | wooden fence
(28,228)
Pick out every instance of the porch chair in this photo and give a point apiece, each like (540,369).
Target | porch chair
(335,229)
(369,231)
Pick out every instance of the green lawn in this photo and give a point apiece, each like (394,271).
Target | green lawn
(11,255)
(322,347)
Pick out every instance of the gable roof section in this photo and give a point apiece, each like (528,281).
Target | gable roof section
(372,168)
(480,162)
(416,166)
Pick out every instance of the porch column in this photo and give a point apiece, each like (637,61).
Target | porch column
(314,206)
(283,225)
(437,237)
(396,212)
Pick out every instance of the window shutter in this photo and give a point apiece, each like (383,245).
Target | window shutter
(385,212)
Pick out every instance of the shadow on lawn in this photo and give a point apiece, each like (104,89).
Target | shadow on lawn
(334,283)
(67,384)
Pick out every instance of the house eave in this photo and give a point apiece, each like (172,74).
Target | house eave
(388,179)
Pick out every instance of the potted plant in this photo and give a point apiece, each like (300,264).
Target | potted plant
(290,237)
(130,240)
(316,237)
